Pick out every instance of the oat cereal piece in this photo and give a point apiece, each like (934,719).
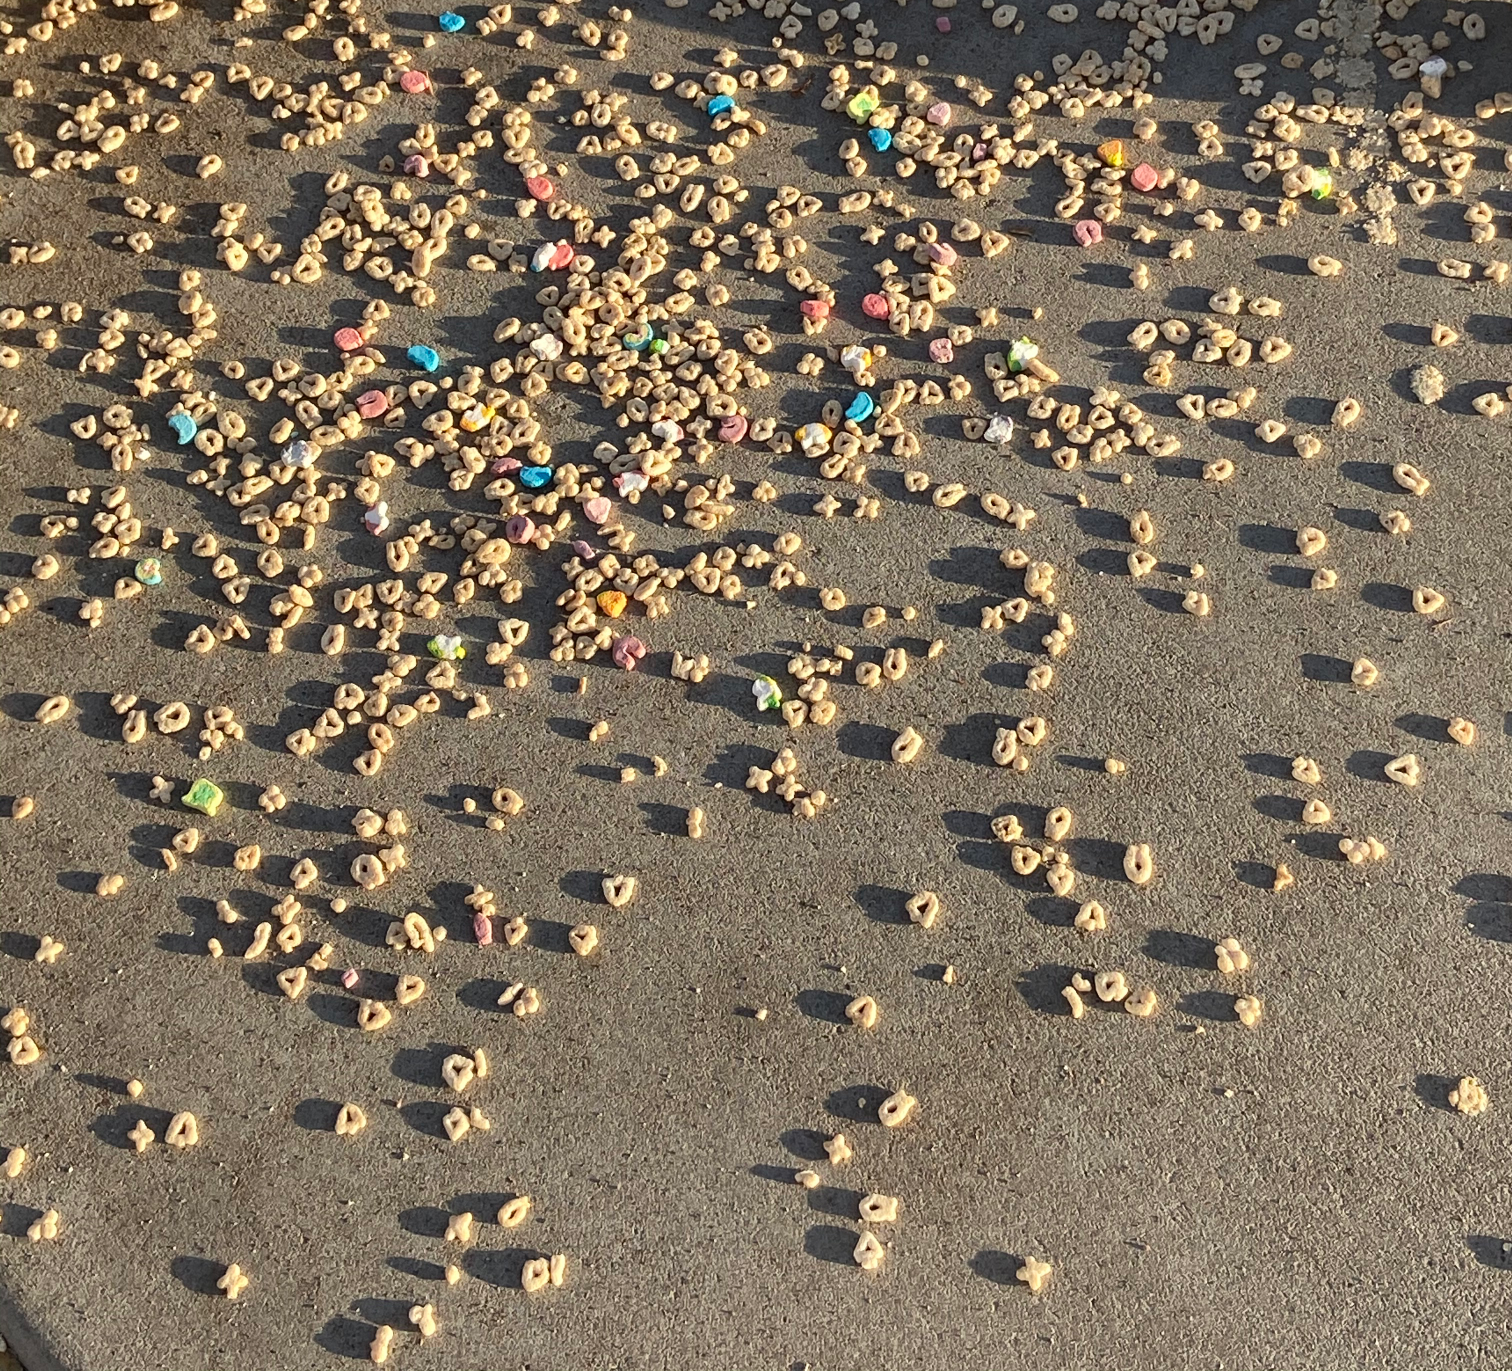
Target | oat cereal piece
(1035,1274)
(233,1282)
(896,1109)
(869,1252)
(1470,1097)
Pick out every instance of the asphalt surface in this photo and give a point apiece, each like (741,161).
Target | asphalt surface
(1296,1195)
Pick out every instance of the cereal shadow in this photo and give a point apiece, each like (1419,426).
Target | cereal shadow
(1269,538)
(866,742)
(1366,765)
(1292,577)
(22,946)
(1040,987)
(883,904)
(828,1243)
(972,738)
(425,1116)
(1332,670)
(1430,728)
(587,886)
(835,1201)
(1490,1251)
(499,1267)
(1372,475)
(197,1275)
(1286,809)
(1175,948)
(1285,264)
(670,821)
(1001,1268)
(807,1144)
(1214,1005)
(857,1103)
(424,1221)
(1383,595)
(346,1337)
(1052,910)
(828,1006)
(394,1313)
(1255,874)
(422,1065)
(316,1115)
(416,1268)
(1271,764)
(1433,1090)
(1166,601)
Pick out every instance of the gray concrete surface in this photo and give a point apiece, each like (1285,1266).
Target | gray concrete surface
(1299,1195)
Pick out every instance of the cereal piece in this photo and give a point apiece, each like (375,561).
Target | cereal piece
(1142,1004)
(1035,1274)
(350,1120)
(423,1318)
(372,1015)
(183,1131)
(49,949)
(838,1150)
(512,1213)
(862,1011)
(233,1282)
(459,1228)
(923,908)
(583,939)
(1364,673)
(1315,812)
(1470,1097)
(1111,986)
(896,1108)
(1307,771)
(876,1208)
(1091,917)
(1232,958)
(907,745)
(619,891)
(1427,384)
(53,709)
(1405,770)
(15,1162)
(378,1349)
(1249,1008)
(1139,863)
(1461,731)
(869,1252)
(408,989)
(46,1228)
(536,1275)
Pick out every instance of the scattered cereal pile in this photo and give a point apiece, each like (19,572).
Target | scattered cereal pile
(743,684)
